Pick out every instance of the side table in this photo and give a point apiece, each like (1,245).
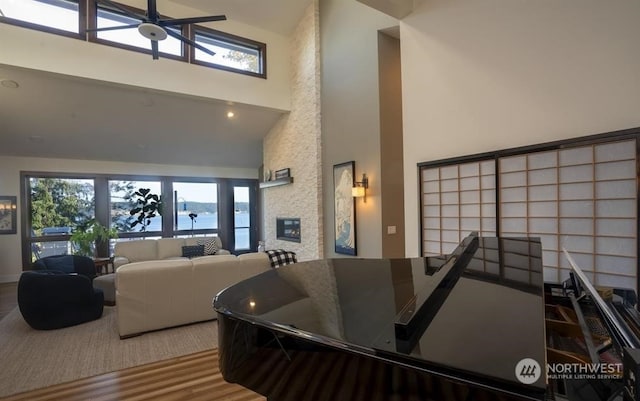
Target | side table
(103,264)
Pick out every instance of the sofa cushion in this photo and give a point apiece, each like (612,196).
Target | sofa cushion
(154,294)
(251,264)
(198,241)
(164,248)
(164,293)
(170,247)
(191,251)
(137,250)
(210,245)
(208,261)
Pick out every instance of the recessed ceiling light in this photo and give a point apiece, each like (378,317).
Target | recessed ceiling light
(9,83)
(230,114)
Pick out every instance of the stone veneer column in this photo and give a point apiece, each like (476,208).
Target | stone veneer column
(294,143)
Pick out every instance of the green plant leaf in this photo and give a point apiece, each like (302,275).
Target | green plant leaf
(149,206)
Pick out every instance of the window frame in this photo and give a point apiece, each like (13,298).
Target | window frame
(252,185)
(234,40)
(92,36)
(103,208)
(82,13)
(87,19)
(195,231)
(25,209)
(106,217)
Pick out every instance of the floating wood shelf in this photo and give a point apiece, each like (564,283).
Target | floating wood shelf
(275,183)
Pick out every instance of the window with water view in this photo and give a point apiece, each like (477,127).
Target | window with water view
(60,205)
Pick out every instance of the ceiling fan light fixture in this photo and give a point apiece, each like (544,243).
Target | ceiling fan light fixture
(152,31)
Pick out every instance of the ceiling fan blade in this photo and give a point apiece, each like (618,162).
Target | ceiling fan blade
(152,10)
(154,49)
(120,8)
(190,42)
(194,20)
(112,28)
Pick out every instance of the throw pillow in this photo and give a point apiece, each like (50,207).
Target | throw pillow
(191,251)
(210,245)
(280,257)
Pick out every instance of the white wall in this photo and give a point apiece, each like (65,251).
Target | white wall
(53,53)
(481,76)
(351,112)
(294,143)
(10,168)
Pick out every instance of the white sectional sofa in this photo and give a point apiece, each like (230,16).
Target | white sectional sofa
(156,249)
(153,294)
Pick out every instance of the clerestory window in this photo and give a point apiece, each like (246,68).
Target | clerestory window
(230,53)
(130,36)
(56,14)
(74,17)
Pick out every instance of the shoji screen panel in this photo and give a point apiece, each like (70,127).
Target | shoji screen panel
(529,202)
(615,212)
(582,199)
(456,200)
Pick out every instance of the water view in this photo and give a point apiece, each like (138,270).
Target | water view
(210,221)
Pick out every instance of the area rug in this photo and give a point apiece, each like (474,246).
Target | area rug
(33,359)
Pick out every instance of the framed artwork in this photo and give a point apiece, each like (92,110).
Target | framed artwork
(8,215)
(284,173)
(344,208)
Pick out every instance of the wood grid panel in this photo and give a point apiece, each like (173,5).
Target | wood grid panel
(581,198)
(457,200)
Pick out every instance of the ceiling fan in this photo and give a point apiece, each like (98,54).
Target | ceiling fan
(152,26)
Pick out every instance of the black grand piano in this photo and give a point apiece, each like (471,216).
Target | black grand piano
(478,324)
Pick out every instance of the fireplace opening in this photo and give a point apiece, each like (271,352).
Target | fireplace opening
(288,229)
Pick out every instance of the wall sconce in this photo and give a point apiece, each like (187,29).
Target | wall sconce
(360,189)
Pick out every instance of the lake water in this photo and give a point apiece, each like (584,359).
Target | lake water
(210,221)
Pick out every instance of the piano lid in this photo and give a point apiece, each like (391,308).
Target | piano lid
(478,311)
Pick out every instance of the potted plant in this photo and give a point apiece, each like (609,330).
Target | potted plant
(84,240)
(148,206)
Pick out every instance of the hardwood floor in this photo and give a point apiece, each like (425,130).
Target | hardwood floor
(8,298)
(190,378)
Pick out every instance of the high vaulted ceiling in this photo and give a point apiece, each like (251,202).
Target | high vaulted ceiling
(57,116)
(280,16)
